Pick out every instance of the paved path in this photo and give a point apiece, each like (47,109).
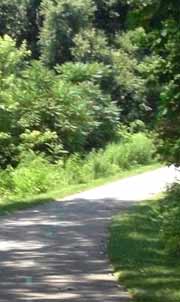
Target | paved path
(56,252)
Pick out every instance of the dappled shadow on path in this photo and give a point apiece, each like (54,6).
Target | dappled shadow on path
(57,252)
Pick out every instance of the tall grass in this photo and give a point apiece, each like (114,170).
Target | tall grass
(35,175)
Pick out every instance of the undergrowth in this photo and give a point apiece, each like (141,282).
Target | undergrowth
(36,175)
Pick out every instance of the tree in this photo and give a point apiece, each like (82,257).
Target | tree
(62,21)
(12,62)
(13,19)
(48,112)
(128,85)
(161,20)
(20,20)
(34,22)
(91,45)
(110,16)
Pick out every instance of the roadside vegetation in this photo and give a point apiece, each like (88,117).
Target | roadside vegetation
(145,241)
(35,175)
(144,248)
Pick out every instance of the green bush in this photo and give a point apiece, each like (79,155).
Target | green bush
(35,174)
(91,45)
(101,165)
(141,149)
(6,183)
(170,212)
(136,149)
(50,112)
(80,72)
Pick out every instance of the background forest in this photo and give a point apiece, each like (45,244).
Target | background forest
(87,88)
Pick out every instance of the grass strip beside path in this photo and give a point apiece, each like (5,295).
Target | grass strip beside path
(9,205)
(139,258)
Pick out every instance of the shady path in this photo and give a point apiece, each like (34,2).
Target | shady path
(57,251)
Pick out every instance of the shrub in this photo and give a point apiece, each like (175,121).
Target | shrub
(80,72)
(6,182)
(170,230)
(141,149)
(48,112)
(91,45)
(136,149)
(35,174)
(101,165)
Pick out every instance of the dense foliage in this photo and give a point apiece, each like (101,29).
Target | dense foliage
(161,21)
(35,174)
(137,42)
(74,106)
(72,71)
(50,112)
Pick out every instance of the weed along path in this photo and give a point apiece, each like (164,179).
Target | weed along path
(57,251)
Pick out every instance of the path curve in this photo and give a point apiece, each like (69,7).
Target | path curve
(56,252)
